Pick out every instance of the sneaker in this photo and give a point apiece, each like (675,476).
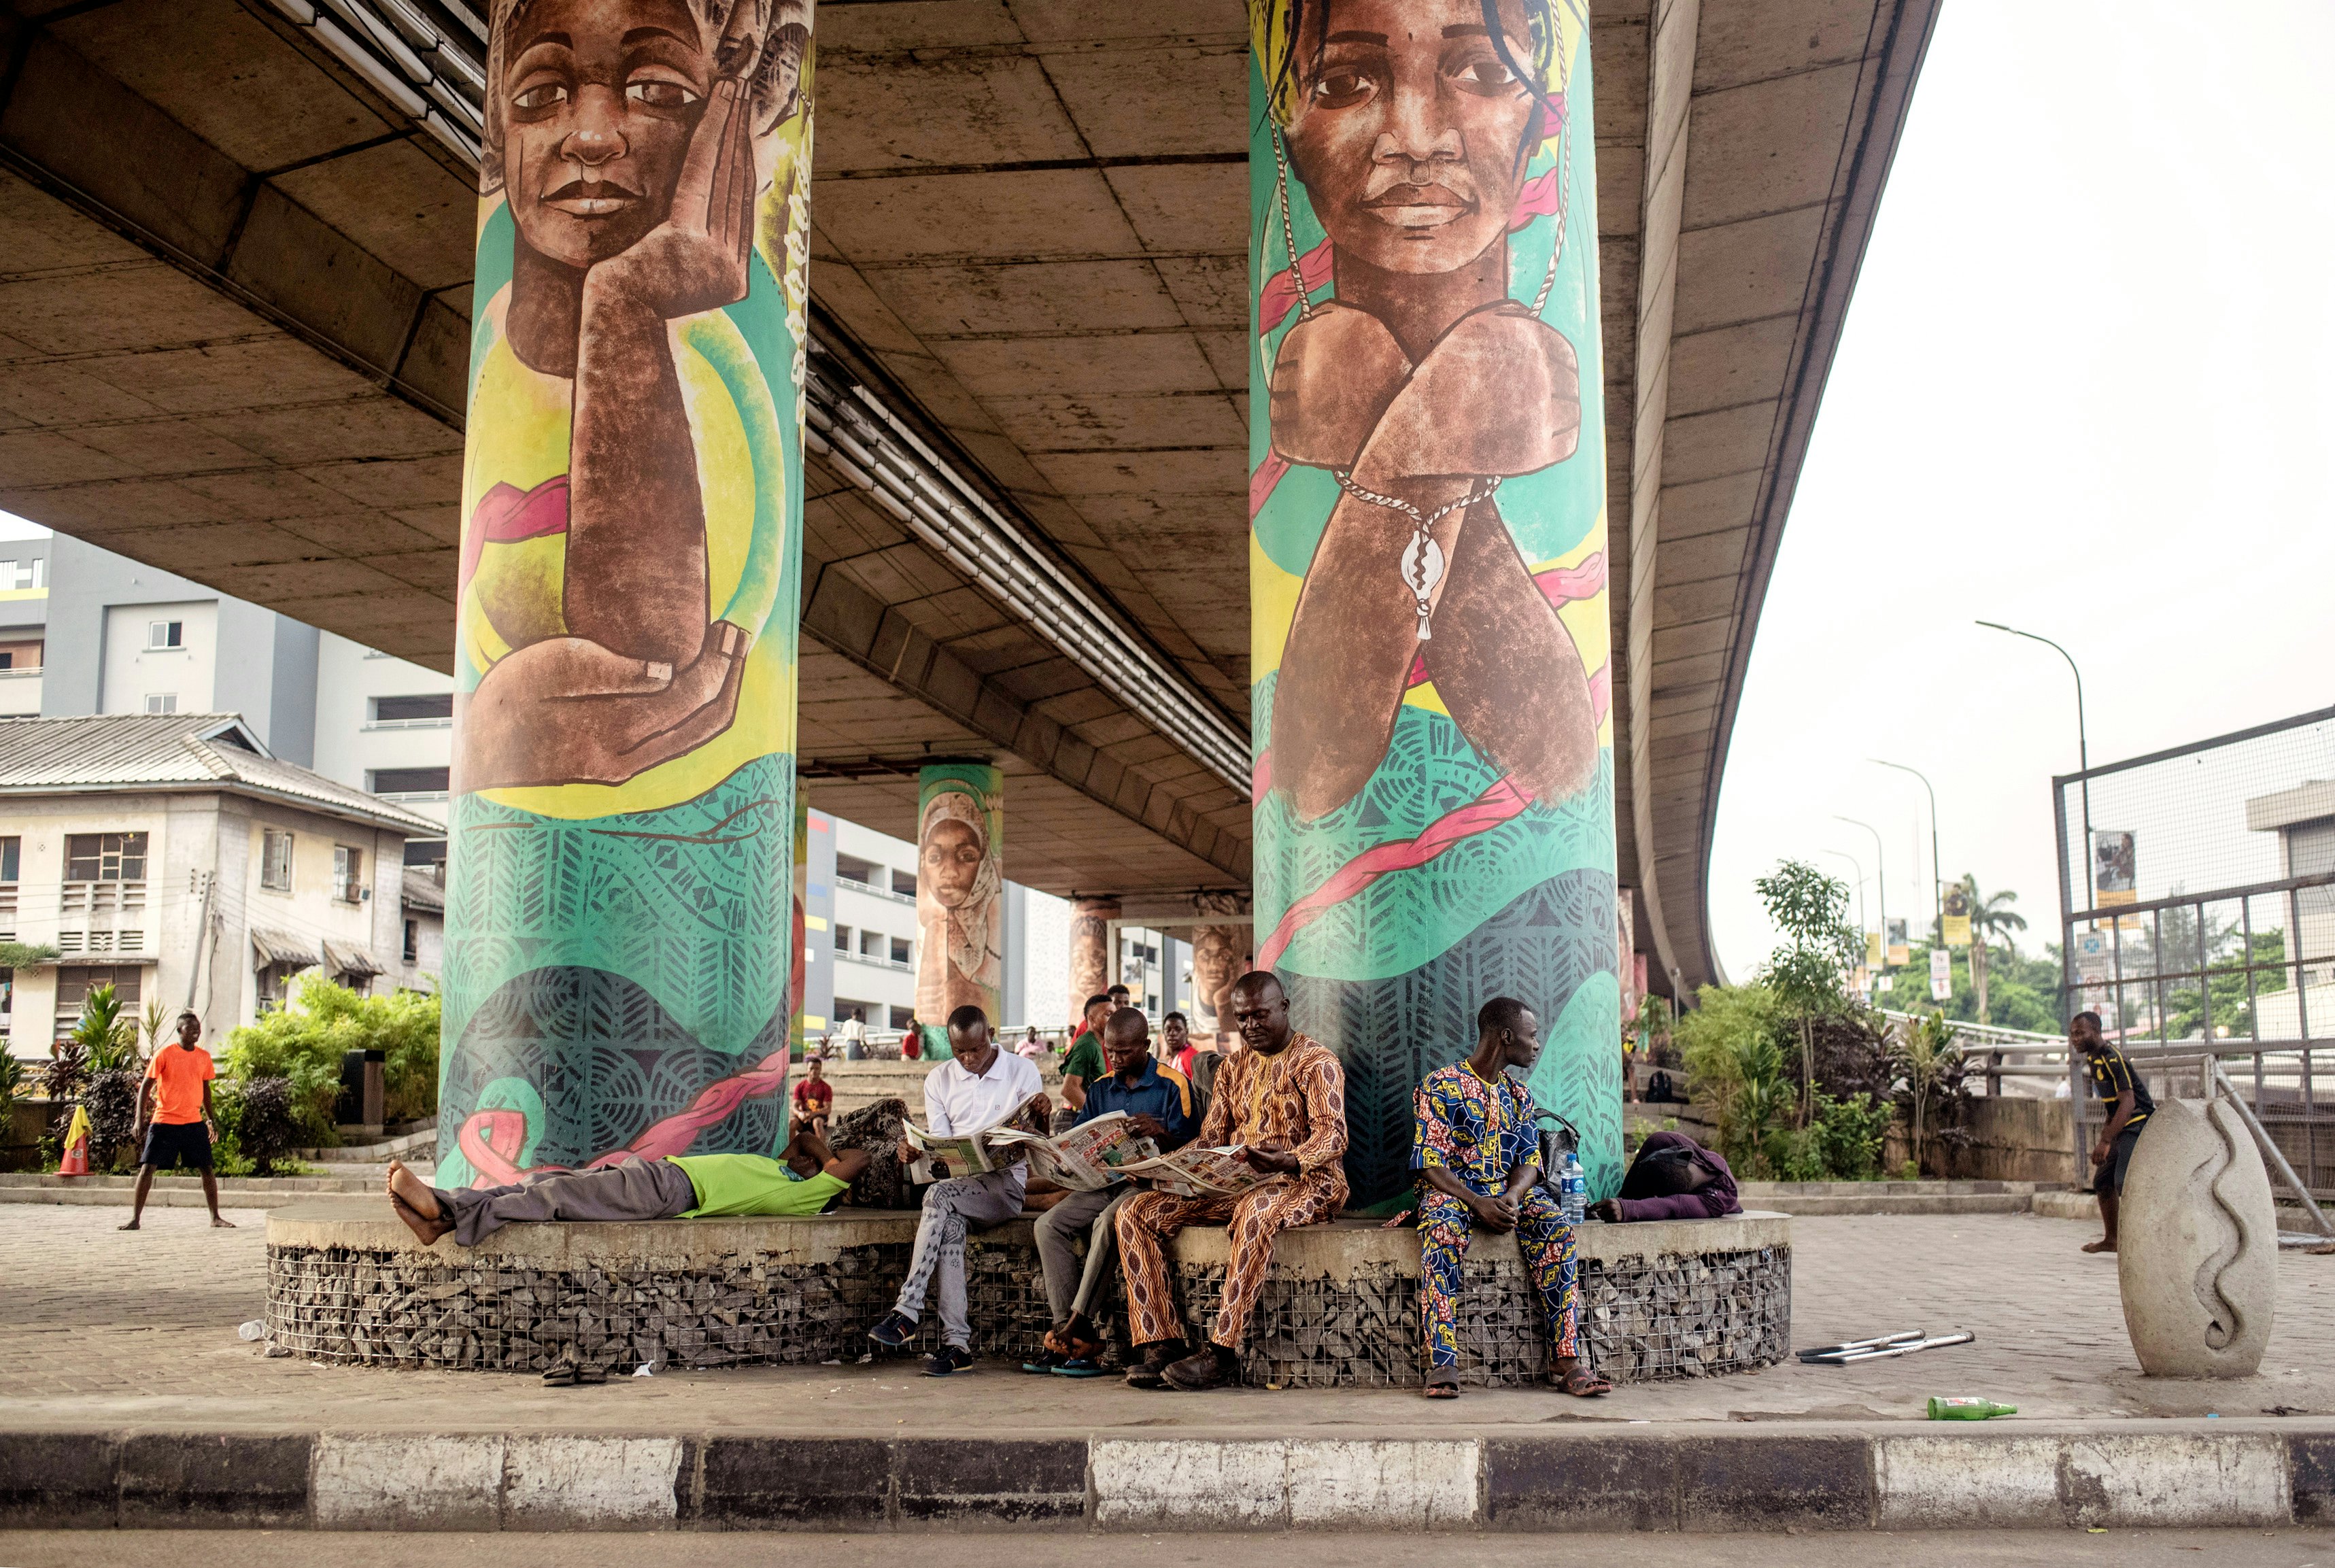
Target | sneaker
(1044,1362)
(946,1361)
(1079,1367)
(894,1331)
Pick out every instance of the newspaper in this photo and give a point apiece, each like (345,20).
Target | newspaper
(1193,1173)
(976,1153)
(1088,1157)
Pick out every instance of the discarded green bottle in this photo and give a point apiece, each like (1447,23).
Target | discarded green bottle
(1967,1409)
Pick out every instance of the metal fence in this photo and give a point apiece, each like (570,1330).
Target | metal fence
(2197,899)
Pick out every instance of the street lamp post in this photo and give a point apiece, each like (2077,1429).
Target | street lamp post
(2083,745)
(1880,879)
(1937,866)
(1852,860)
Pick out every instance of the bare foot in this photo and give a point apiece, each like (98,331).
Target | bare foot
(2103,1245)
(220,1225)
(130,1226)
(416,1204)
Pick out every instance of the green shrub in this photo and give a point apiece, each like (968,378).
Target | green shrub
(267,1125)
(111,1101)
(1848,1134)
(303,1045)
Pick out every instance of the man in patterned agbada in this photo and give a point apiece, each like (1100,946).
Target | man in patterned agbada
(1475,1146)
(1283,1102)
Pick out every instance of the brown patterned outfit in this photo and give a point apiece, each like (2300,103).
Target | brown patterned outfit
(1295,1099)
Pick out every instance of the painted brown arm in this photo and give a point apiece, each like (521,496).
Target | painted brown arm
(1499,394)
(643,677)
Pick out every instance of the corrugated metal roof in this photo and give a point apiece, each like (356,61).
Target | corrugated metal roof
(424,891)
(166,751)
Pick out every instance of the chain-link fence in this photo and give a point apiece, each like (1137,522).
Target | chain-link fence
(2197,887)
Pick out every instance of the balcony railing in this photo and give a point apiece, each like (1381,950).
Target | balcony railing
(101,917)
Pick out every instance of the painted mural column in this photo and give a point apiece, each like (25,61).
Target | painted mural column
(960,897)
(618,912)
(1090,921)
(1434,818)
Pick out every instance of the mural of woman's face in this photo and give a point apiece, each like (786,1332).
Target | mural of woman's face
(1212,966)
(598,98)
(1405,128)
(952,861)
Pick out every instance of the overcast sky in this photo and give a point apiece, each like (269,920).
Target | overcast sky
(2085,387)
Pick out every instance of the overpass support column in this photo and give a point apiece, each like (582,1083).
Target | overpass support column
(960,897)
(619,938)
(1435,815)
(1090,944)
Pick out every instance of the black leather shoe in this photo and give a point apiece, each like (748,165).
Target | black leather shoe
(1149,1372)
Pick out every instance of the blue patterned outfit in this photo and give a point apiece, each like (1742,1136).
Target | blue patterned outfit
(1480,1132)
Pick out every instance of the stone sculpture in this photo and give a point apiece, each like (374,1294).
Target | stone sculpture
(2199,1255)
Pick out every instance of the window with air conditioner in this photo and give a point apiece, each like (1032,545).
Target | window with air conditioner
(276,861)
(161,702)
(348,873)
(163,634)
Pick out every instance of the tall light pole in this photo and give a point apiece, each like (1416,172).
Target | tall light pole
(2083,743)
(1937,866)
(1880,879)
(1852,860)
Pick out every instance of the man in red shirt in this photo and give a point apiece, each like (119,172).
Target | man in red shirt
(174,1117)
(814,1096)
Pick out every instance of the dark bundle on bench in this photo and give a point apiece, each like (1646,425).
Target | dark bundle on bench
(884,1185)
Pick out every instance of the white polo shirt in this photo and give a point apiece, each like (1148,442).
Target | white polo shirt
(957,1102)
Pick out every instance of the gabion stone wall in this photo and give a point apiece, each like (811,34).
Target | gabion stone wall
(1671,1316)
(1641,1320)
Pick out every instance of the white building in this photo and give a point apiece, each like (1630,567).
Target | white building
(175,857)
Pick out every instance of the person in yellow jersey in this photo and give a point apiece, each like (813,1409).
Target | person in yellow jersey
(615,570)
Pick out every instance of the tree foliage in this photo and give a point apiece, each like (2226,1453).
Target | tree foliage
(107,1032)
(303,1045)
(1808,974)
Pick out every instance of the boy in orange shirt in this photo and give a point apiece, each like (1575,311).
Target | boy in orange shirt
(180,1078)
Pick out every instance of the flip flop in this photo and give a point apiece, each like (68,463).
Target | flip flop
(562,1376)
(1079,1367)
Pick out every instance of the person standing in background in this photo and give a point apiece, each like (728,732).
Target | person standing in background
(174,1119)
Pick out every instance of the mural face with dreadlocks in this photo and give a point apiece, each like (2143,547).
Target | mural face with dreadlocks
(1422,386)
(1434,810)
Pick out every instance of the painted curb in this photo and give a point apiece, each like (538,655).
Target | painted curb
(2154,1475)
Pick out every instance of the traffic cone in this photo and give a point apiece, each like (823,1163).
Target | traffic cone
(75,1162)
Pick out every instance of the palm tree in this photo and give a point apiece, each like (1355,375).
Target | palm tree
(107,1033)
(1991,914)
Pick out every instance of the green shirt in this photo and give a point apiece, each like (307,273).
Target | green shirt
(753,1184)
(1085,1061)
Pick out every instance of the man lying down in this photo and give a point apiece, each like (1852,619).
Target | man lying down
(811,1178)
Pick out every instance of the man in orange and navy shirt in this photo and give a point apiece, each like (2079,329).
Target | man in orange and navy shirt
(174,1114)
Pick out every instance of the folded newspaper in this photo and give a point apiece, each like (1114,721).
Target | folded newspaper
(1197,1173)
(1083,1159)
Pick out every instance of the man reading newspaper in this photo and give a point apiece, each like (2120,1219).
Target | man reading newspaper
(1278,1113)
(1156,1102)
(976,1090)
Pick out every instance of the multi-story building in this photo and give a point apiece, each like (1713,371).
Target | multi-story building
(91,632)
(174,857)
(861,916)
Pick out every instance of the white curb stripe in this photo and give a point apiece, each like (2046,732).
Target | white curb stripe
(1195,1484)
(383,1481)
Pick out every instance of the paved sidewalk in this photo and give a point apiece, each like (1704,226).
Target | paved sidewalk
(106,1328)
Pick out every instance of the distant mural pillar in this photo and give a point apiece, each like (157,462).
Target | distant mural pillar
(1219,957)
(960,897)
(1426,496)
(1090,921)
(617,913)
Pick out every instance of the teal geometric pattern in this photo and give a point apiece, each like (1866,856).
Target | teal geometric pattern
(691,905)
(1554,949)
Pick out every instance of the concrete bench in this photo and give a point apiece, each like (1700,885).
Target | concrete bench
(348,1283)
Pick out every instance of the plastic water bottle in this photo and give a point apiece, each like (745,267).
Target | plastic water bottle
(1571,1188)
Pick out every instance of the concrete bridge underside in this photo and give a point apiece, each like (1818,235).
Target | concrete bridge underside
(235,304)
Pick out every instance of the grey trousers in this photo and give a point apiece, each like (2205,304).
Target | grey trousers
(954,1208)
(635,1189)
(1069,1288)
